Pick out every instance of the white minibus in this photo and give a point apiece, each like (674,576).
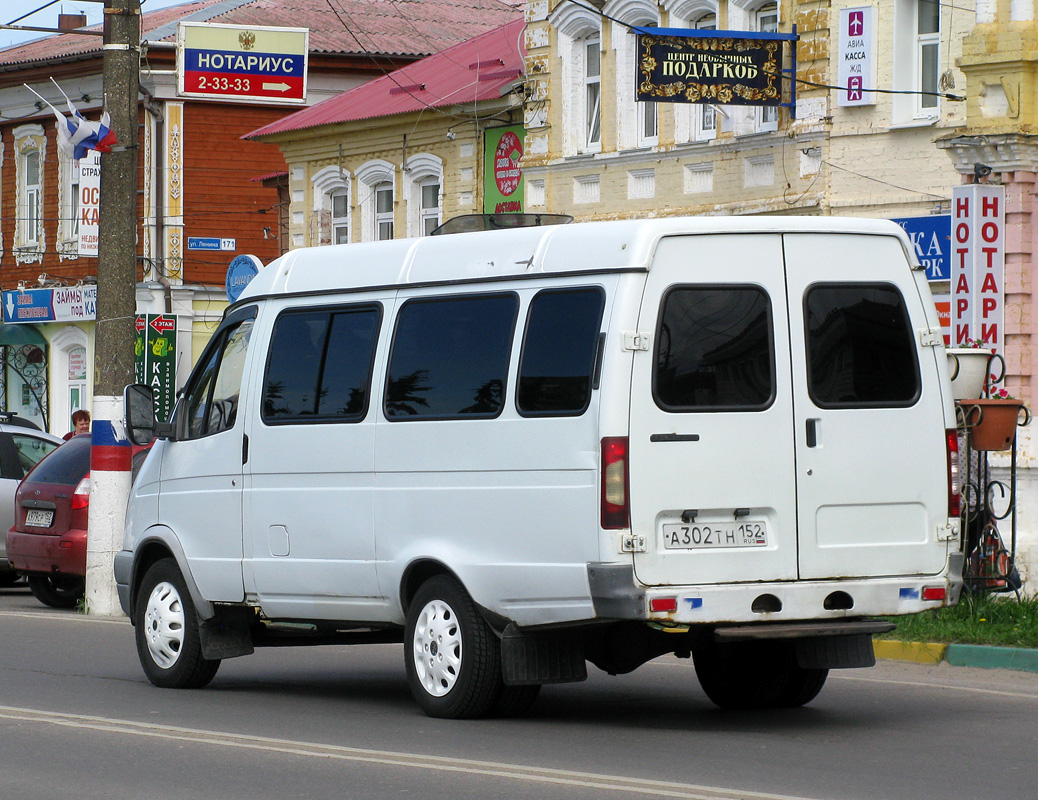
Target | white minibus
(522,451)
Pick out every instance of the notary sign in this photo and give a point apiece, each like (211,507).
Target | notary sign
(711,68)
(252,64)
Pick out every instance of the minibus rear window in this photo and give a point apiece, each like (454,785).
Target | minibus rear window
(450,357)
(860,346)
(714,350)
(559,352)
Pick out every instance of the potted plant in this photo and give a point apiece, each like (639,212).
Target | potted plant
(969,365)
(992,421)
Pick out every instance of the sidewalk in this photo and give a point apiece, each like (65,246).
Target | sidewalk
(959,655)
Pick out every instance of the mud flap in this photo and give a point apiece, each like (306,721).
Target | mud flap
(541,658)
(835,652)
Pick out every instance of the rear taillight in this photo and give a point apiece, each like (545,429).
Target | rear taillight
(954,487)
(615,484)
(81,497)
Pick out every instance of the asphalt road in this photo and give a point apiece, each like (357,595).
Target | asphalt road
(79,720)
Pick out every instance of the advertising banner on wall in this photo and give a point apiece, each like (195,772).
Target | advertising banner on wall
(89,227)
(978,264)
(155,359)
(710,67)
(64,304)
(503,184)
(857,57)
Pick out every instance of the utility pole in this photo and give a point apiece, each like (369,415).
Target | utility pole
(110,457)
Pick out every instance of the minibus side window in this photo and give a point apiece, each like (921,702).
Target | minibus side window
(450,357)
(714,350)
(319,367)
(211,404)
(860,347)
(559,349)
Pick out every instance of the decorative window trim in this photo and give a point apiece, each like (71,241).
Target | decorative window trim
(68,207)
(631,115)
(575,25)
(370,174)
(419,169)
(325,182)
(27,139)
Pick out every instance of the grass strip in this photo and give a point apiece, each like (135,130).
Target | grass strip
(1000,621)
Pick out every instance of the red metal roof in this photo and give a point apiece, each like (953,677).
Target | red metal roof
(343,27)
(479,69)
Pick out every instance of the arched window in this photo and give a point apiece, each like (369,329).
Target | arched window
(695,122)
(377,200)
(636,121)
(424,193)
(580,48)
(332,205)
(29,143)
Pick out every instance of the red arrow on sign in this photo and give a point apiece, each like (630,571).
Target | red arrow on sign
(140,324)
(162,324)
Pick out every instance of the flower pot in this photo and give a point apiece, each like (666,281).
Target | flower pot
(968,367)
(991,422)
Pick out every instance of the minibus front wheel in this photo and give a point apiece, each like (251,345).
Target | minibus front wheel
(452,657)
(166,629)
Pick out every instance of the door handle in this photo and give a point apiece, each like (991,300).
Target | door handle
(674,437)
(812,432)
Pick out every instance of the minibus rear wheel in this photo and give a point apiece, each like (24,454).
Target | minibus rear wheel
(747,675)
(452,658)
(166,629)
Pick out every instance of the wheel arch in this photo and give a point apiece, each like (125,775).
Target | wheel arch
(418,572)
(160,542)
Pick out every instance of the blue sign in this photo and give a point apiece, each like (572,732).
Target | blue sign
(931,237)
(210,243)
(240,272)
(65,304)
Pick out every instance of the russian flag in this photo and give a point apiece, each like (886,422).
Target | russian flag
(77,134)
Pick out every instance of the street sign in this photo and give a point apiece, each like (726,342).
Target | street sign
(251,64)
(239,273)
(67,304)
(856,73)
(210,243)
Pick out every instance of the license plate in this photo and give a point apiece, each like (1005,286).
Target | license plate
(737,533)
(38,518)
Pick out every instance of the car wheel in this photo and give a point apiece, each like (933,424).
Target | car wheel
(57,591)
(452,658)
(166,629)
(756,675)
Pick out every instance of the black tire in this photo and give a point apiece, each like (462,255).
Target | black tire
(751,675)
(452,658)
(57,591)
(166,629)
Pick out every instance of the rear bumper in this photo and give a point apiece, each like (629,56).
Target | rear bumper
(40,552)
(617,595)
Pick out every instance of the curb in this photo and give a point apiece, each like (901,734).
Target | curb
(958,655)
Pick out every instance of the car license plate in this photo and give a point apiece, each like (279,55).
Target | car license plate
(737,533)
(38,518)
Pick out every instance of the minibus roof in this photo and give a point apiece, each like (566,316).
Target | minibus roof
(622,245)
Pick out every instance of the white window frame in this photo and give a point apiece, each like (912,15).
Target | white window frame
(340,221)
(689,117)
(926,105)
(328,182)
(577,26)
(421,170)
(30,234)
(637,123)
(766,118)
(68,202)
(383,217)
(908,109)
(369,175)
(592,105)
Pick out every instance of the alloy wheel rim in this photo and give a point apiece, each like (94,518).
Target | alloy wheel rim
(437,648)
(164,624)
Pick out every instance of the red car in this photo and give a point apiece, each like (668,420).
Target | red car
(48,540)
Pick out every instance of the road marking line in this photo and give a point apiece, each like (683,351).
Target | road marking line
(66,616)
(615,783)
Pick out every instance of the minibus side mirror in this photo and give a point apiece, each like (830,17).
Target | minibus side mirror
(139,411)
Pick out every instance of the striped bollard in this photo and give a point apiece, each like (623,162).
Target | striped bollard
(110,478)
